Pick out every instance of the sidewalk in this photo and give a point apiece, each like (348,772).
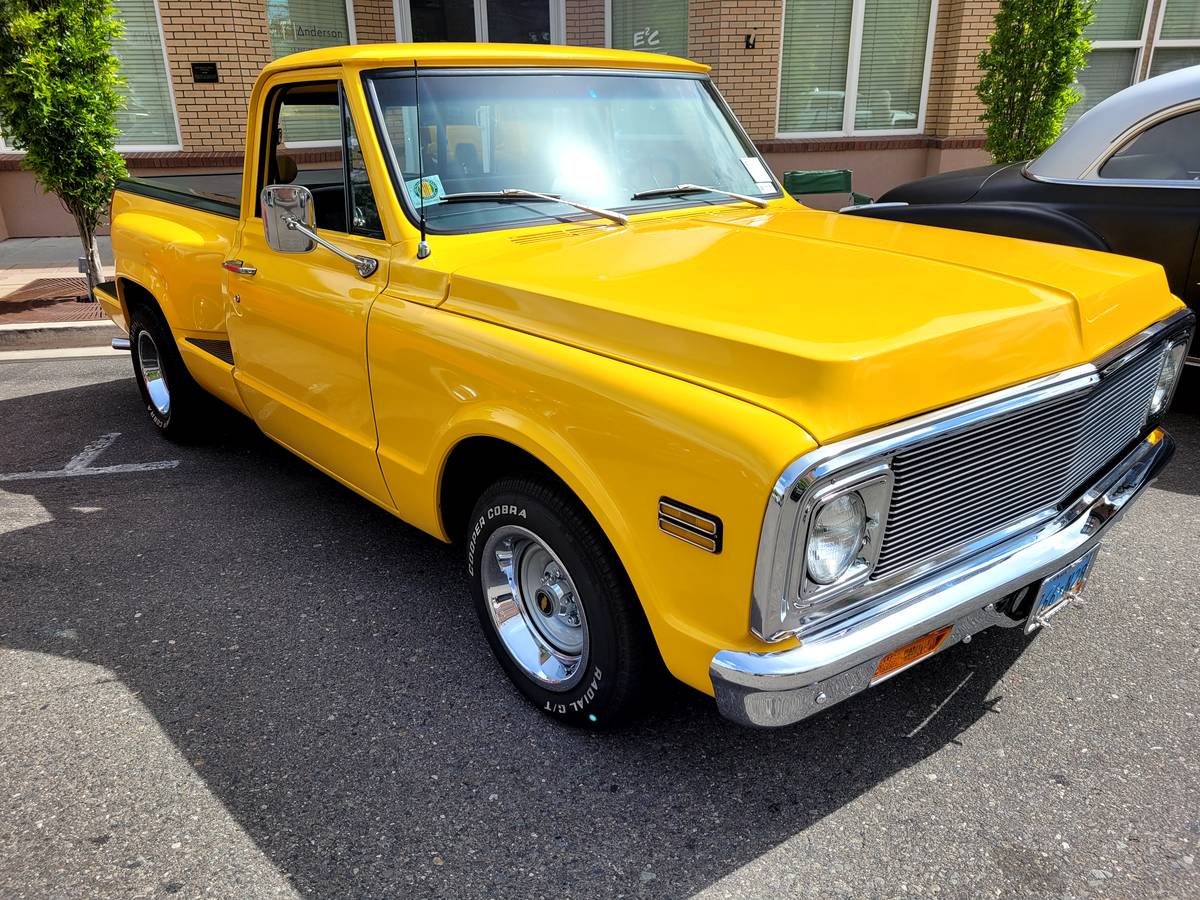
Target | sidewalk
(40,285)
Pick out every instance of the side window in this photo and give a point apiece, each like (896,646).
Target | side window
(310,140)
(364,214)
(1168,151)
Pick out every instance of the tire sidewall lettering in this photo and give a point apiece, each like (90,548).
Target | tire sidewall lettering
(492,514)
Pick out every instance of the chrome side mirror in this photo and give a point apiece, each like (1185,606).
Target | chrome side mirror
(281,203)
(287,212)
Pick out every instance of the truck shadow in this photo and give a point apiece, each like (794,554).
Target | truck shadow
(327,668)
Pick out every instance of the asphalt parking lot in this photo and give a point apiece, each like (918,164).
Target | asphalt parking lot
(226,675)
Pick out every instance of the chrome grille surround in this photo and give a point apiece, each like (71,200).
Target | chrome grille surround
(1065,428)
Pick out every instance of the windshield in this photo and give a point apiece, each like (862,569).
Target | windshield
(596,139)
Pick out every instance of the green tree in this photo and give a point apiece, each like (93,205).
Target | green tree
(1028,74)
(58,100)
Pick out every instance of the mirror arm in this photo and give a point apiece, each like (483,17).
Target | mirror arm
(363,265)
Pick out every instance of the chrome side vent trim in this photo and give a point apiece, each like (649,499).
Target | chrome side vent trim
(691,525)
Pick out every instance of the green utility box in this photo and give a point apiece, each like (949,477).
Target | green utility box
(823,181)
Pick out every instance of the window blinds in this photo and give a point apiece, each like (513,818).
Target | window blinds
(1168,59)
(1181,21)
(816,49)
(1107,72)
(148,117)
(657,25)
(891,67)
(1117,20)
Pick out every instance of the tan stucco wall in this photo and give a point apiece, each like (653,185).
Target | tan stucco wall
(875,171)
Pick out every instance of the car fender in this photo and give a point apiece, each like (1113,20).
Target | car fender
(1027,221)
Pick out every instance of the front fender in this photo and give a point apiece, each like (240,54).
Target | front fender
(619,436)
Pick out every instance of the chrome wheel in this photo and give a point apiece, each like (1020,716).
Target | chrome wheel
(535,608)
(150,365)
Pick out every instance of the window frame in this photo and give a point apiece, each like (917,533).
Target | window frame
(178,143)
(1167,43)
(854,54)
(272,102)
(1138,43)
(1092,174)
(402,16)
(566,219)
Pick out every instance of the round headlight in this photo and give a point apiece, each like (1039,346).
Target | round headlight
(836,537)
(1172,366)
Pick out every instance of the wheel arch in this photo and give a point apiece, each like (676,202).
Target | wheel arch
(473,461)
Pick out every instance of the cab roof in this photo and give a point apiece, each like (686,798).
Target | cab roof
(482,55)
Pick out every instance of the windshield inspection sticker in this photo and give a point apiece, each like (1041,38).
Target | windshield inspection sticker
(428,189)
(762,178)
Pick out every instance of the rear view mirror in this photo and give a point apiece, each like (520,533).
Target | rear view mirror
(281,203)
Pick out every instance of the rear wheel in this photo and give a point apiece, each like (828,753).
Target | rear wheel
(176,404)
(556,606)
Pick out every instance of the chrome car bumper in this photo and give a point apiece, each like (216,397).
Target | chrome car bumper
(782,687)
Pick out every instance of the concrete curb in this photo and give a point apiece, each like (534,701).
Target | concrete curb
(57,335)
(62,353)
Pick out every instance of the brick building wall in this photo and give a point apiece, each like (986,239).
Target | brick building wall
(240,48)
(961,35)
(585,23)
(740,40)
(374,22)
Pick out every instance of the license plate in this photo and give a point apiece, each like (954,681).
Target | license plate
(1059,589)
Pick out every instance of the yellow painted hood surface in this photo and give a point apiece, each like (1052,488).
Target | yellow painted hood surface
(839,323)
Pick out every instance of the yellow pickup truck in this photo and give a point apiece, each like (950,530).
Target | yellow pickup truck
(550,304)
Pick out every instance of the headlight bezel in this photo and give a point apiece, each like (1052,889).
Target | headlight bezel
(873,485)
(1178,344)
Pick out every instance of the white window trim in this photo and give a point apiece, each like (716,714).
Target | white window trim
(1168,43)
(402,13)
(161,148)
(1138,44)
(852,66)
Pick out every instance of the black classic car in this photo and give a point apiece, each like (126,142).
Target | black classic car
(1124,178)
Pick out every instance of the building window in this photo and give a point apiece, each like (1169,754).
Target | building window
(854,66)
(1118,35)
(1177,44)
(1122,33)
(660,26)
(498,21)
(148,116)
(297,25)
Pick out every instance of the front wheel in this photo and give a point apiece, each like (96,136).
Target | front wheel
(556,605)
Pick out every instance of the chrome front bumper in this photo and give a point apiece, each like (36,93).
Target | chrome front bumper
(782,687)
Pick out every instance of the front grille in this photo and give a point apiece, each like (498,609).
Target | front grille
(961,487)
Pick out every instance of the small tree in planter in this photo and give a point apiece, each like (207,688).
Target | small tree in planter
(1028,71)
(58,100)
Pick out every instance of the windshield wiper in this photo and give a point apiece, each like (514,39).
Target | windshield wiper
(521,194)
(696,189)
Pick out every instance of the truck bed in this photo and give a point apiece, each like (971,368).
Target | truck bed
(218,193)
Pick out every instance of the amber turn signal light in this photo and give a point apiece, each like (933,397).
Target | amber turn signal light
(912,652)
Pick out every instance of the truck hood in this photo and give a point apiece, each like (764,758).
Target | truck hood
(839,323)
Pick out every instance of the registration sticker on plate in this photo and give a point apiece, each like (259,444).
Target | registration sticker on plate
(1059,589)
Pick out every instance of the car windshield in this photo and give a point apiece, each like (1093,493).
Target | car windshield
(594,139)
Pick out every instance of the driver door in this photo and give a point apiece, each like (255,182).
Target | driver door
(298,321)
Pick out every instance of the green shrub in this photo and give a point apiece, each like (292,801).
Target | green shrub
(58,99)
(1028,71)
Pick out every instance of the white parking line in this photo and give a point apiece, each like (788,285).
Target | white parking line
(80,464)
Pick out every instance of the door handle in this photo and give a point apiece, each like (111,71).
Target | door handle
(236,266)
